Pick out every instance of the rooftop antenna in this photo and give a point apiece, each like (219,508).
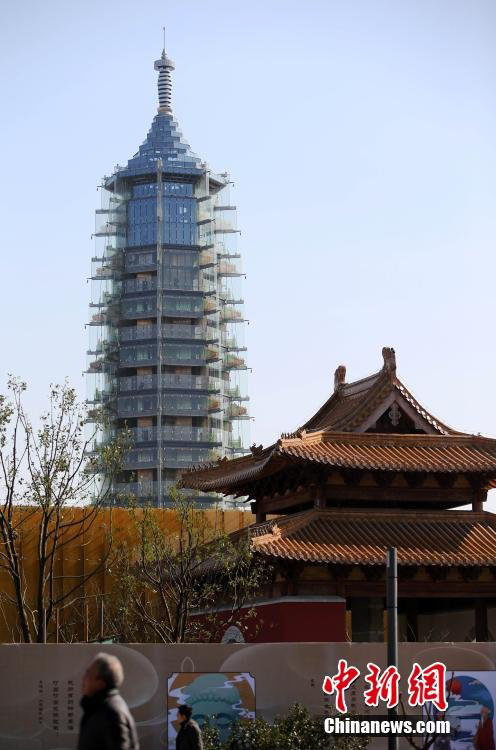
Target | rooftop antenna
(164,67)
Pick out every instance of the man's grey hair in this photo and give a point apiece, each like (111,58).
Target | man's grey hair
(109,669)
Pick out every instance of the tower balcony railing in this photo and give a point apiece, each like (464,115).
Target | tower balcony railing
(102,396)
(231,345)
(235,445)
(103,273)
(210,305)
(235,411)
(212,355)
(187,307)
(144,307)
(130,406)
(232,362)
(231,315)
(148,490)
(228,298)
(235,394)
(98,319)
(174,405)
(187,285)
(110,229)
(107,300)
(137,261)
(169,381)
(172,458)
(138,355)
(140,285)
(194,406)
(172,354)
(179,331)
(98,365)
(207,259)
(224,226)
(177,458)
(214,404)
(182,354)
(228,269)
(169,331)
(138,458)
(204,213)
(171,283)
(177,433)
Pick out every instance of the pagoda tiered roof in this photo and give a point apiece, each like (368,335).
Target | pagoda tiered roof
(374,452)
(375,425)
(353,405)
(347,537)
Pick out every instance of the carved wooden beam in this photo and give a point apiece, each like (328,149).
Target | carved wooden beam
(339,571)
(469,573)
(407,572)
(437,572)
(373,572)
(446,481)
(415,478)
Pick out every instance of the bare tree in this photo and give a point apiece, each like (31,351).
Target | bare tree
(167,577)
(51,497)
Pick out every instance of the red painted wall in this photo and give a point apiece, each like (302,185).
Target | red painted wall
(295,619)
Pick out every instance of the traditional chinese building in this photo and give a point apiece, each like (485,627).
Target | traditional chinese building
(372,469)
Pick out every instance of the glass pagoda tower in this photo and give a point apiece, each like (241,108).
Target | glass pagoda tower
(167,356)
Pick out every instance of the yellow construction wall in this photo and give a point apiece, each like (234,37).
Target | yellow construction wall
(82,552)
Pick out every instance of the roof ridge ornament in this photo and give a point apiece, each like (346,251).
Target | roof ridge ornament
(256,449)
(165,65)
(389,357)
(339,378)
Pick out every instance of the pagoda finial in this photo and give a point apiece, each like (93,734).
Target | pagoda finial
(164,66)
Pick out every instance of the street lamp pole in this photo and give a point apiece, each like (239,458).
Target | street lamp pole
(392,624)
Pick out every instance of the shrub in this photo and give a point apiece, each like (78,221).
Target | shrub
(298,730)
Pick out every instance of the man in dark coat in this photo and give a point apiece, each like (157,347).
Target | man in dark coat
(107,723)
(189,736)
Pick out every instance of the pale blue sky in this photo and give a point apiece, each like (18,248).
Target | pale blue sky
(361,135)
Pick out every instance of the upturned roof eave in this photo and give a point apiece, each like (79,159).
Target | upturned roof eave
(230,476)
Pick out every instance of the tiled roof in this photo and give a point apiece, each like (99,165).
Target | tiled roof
(358,537)
(351,404)
(388,452)
(337,436)
(367,451)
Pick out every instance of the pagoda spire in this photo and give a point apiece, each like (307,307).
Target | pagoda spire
(164,66)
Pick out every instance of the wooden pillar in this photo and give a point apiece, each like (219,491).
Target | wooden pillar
(481,626)
(478,500)
(255,509)
(320,495)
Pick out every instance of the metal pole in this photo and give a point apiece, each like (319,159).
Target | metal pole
(160,248)
(392,624)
